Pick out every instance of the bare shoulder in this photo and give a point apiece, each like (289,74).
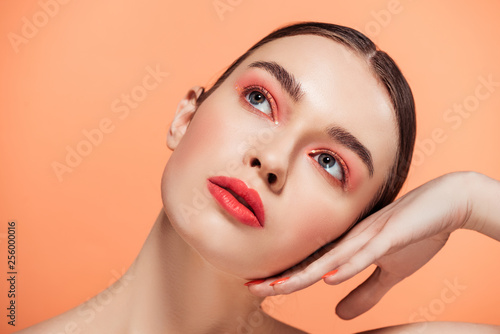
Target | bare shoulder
(70,321)
(59,324)
(437,327)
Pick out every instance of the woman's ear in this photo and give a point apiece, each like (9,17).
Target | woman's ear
(183,115)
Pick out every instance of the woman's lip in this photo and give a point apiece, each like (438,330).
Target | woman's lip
(222,187)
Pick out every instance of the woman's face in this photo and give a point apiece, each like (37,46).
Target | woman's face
(315,149)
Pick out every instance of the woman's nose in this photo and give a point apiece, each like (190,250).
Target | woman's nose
(271,163)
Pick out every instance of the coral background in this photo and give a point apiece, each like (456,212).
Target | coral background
(77,233)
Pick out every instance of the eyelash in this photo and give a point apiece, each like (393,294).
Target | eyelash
(248,89)
(345,170)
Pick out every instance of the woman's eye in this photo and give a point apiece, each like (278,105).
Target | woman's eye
(259,101)
(330,164)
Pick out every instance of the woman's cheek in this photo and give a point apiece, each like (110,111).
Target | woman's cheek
(322,223)
(317,218)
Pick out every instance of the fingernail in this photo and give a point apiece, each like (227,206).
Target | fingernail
(330,273)
(255,281)
(279,281)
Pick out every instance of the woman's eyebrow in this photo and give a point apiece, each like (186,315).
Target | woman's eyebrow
(285,78)
(346,139)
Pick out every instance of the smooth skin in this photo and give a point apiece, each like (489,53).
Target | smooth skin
(400,239)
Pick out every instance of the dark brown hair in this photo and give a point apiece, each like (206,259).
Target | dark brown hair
(385,70)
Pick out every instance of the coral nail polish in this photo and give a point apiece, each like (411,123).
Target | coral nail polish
(330,273)
(279,281)
(255,281)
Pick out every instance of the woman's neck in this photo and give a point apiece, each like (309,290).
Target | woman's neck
(169,288)
(175,290)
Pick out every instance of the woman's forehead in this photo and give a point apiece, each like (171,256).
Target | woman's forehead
(330,74)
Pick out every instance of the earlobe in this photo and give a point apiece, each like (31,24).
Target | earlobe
(183,115)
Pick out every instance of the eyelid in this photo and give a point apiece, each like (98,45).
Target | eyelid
(272,102)
(343,165)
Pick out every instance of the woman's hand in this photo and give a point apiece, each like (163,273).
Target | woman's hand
(399,239)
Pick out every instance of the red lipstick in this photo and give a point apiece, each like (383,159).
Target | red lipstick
(238,200)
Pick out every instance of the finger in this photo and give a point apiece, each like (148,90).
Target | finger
(362,259)
(366,295)
(335,258)
(379,217)
(263,289)
(331,256)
